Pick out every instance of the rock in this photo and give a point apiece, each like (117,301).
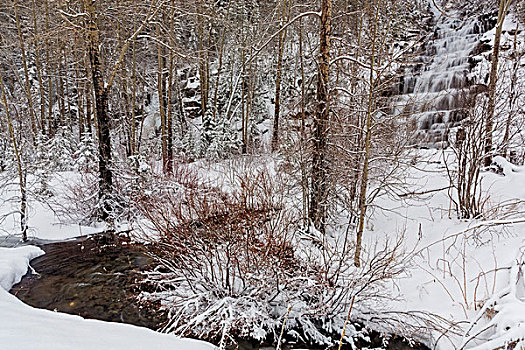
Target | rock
(482,47)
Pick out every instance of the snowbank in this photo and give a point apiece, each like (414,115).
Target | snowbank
(14,263)
(25,328)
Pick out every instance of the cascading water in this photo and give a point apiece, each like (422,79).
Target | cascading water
(436,83)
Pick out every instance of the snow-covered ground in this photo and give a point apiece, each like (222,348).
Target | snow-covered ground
(44,219)
(466,271)
(25,328)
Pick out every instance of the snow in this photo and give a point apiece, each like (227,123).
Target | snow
(193,84)
(26,328)
(468,272)
(459,267)
(44,221)
(14,263)
(461,270)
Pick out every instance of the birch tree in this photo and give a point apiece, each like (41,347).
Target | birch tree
(491,106)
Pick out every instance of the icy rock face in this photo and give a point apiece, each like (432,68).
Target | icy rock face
(437,83)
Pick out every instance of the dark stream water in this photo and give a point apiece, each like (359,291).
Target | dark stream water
(92,277)
(98,278)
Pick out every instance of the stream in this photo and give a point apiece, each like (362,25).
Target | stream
(98,278)
(92,277)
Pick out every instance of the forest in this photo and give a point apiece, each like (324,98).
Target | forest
(284,173)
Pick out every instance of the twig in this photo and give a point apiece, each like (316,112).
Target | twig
(423,192)
(346,323)
(282,328)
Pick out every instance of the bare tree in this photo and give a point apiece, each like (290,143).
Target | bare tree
(319,177)
(489,118)
(20,167)
(101,89)
(277,110)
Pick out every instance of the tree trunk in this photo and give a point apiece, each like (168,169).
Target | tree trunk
(133,128)
(491,105)
(304,174)
(513,94)
(101,110)
(161,91)
(319,180)
(219,69)
(244,115)
(101,99)
(50,126)
(26,75)
(203,60)
(39,72)
(21,172)
(277,110)
(68,115)
(182,118)
(169,114)
(368,137)
(169,119)
(80,105)
(87,92)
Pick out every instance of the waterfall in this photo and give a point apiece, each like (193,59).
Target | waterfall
(437,81)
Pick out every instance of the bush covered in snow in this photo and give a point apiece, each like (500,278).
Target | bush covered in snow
(233,263)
